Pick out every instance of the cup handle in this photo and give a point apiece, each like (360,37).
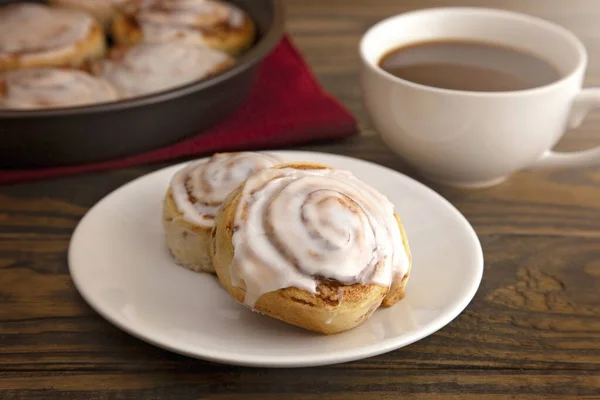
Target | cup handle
(586,100)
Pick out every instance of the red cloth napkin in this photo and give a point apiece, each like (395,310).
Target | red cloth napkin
(287,107)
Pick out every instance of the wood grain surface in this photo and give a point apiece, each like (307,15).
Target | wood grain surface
(532,331)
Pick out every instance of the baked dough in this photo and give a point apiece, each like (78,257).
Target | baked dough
(215,24)
(194,196)
(35,35)
(103,10)
(149,68)
(37,88)
(311,246)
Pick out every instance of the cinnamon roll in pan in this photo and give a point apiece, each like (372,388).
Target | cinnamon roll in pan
(312,246)
(37,88)
(216,24)
(35,35)
(78,135)
(103,10)
(153,67)
(193,198)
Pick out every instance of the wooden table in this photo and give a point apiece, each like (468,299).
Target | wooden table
(532,331)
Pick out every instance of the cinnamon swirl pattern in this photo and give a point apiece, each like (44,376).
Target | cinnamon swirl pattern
(147,68)
(35,35)
(312,246)
(36,88)
(194,197)
(212,23)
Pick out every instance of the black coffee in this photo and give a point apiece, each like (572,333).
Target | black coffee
(466,65)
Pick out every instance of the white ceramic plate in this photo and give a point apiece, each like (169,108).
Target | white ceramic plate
(120,265)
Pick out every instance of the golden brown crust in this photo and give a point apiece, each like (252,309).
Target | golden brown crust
(334,308)
(125,30)
(92,48)
(398,289)
(188,243)
(232,40)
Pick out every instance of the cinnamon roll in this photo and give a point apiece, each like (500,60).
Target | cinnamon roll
(148,68)
(212,23)
(35,35)
(36,88)
(103,10)
(312,246)
(194,196)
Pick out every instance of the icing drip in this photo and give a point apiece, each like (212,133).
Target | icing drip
(148,68)
(201,187)
(52,87)
(168,19)
(33,28)
(296,226)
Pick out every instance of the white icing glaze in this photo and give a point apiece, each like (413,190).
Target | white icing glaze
(103,10)
(92,3)
(293,226)
(147,68)
(168,19)
(33,88)
(32,29)
(210,181)
(165,33)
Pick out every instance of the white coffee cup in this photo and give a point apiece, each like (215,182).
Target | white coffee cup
(477,139)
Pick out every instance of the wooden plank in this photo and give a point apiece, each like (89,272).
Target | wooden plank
(532,331)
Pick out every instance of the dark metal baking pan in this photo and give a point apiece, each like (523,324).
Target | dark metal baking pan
(106,131)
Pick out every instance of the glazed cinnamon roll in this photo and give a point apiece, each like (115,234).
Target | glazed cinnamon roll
(36,88)
(194,196)
(215,24)
(148,68)
(35,35)
(103,10)
(312,246)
